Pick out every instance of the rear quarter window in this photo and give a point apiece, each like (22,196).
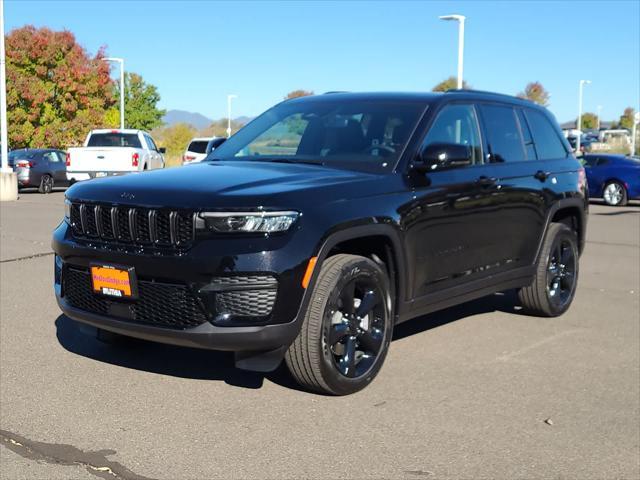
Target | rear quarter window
(546,138)
(198,146)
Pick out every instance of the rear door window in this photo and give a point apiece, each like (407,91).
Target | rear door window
(546,138)
(503,133)
(198,146)
(51,157)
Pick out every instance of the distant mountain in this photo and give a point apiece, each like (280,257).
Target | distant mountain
(243,120)
(198,120)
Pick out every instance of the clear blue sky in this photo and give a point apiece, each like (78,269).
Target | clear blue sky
(197,52)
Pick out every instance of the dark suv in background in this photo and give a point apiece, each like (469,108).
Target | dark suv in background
(323,223)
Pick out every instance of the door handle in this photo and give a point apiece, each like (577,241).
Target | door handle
(542,176)
(486,181)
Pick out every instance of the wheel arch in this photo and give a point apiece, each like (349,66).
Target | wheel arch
(571,212)
(381,243)
(612,179)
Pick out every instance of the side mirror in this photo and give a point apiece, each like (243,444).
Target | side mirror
(439,156)
(162,150)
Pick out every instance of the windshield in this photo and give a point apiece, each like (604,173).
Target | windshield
(114,140)
(359,135)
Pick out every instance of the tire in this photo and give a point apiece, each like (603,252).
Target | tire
(46,184)
(334,354)
(614,194)
(556,279)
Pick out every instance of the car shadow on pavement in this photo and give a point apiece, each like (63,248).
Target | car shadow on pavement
(199,364)
(184,362)
(499,302)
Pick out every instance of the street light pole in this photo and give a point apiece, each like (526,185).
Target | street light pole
(8,178)
(582,83)
(460,19)
(3,97)
(121,62)
(599,114)
(229,98)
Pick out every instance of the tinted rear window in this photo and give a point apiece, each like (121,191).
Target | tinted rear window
(114,140)
(503,133)
(548,143)
(20,155)
(199,146)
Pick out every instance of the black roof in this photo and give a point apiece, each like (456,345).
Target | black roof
(422,97)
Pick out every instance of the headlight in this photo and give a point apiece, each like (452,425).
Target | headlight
(248,222)
(67,211)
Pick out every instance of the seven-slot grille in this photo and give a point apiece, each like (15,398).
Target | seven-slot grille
(132,225)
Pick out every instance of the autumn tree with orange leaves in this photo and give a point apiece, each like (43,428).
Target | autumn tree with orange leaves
(56,91)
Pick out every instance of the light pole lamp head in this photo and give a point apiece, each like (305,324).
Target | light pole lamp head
(585,82)
(456,17)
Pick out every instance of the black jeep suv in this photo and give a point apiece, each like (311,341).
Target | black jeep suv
(323,223)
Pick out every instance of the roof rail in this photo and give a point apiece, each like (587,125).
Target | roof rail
(484,92)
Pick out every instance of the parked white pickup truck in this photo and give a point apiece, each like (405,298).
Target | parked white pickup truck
(113,152)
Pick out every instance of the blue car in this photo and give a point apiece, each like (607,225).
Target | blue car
(615,178)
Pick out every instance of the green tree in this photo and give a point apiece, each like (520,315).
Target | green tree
(56,91)
(140,104)
(174,138)
(535,92)
(626,119)
(450,83)
(298,94)
(589,121)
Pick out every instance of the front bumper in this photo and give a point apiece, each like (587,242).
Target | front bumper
(197,270)
(208,336)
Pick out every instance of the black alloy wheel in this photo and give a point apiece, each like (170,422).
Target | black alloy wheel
(355,326)
(347,328)
(554,284)
(561,273)
(46,184)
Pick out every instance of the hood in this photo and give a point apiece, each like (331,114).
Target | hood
(222,184)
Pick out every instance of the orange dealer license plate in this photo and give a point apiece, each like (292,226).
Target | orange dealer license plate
(112,281)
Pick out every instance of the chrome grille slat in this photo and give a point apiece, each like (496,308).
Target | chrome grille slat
(98,217)
(132,224)
(153,236)
(163,228)
(173,227)
(83,218)
(114,222)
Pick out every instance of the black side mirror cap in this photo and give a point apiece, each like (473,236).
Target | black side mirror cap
(162,150)
(439,156)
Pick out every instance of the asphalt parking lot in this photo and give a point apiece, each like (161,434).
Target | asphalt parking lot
(476,391)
